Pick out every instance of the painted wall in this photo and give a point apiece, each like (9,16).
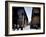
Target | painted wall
(2,19)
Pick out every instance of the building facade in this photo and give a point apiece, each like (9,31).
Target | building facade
(35,20)
(20,19)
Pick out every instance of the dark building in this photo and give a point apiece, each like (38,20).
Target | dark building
(35,20)
(20,18)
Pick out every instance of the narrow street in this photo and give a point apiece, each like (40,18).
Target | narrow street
(27,28)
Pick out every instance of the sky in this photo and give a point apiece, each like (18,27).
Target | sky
(28,12)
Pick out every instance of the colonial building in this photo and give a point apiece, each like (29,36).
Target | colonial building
(35,20)
(20,19)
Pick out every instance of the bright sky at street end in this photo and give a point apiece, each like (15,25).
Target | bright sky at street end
(28,12)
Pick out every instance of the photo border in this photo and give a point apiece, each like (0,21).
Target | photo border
(6,18)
